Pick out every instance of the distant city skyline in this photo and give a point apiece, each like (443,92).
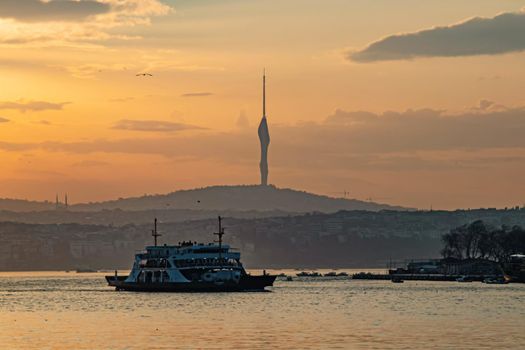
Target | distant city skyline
(411,103)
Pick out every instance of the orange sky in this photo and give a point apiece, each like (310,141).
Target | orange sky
(428,117)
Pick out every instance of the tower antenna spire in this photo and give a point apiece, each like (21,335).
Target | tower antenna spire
(264,92)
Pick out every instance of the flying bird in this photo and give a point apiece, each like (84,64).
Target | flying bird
(144,75)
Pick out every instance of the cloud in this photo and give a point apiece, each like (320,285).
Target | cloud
(74,23)
(122,99)
(153,125)
(476,36)
(43,122)
(33,106)
(4,120)
(487,126)
(197,94)
(90,163)
(414,139)
(54,10)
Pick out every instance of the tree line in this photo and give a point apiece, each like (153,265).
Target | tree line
(480,241)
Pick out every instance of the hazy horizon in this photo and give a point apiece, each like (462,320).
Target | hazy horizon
(410,104)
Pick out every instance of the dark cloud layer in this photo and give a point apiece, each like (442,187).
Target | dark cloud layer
(476,36)
(33,106)
(152,125)
(55,10)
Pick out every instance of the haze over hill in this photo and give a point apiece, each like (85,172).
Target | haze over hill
(233,198)
(24,205)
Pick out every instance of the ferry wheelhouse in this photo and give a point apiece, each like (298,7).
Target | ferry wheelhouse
(189,267)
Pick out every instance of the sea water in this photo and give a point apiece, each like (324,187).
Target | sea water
(59,310)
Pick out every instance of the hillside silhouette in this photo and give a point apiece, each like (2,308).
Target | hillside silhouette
(245,197)
(223,198)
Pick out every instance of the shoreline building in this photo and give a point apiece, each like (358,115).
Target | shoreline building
(264,138)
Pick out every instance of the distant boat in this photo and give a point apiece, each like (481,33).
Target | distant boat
(397,280)
(497,280)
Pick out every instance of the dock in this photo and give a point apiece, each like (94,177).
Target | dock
(416,277)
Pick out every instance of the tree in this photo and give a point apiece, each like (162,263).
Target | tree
(477,241)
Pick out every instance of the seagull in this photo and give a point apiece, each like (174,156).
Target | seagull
(144,75)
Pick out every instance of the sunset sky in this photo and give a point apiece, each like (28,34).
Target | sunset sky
(408,102)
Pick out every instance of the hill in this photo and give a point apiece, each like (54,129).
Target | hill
(246,197)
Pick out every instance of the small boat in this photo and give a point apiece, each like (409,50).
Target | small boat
(397,280)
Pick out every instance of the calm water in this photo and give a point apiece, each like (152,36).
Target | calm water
(77,311)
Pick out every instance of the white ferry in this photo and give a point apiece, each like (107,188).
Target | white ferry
(189,267)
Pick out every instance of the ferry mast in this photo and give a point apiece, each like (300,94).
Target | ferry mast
(220,234)
(154,232)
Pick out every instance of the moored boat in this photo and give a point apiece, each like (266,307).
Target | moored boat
(496,280)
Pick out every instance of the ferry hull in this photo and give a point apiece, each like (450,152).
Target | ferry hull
(247,283)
